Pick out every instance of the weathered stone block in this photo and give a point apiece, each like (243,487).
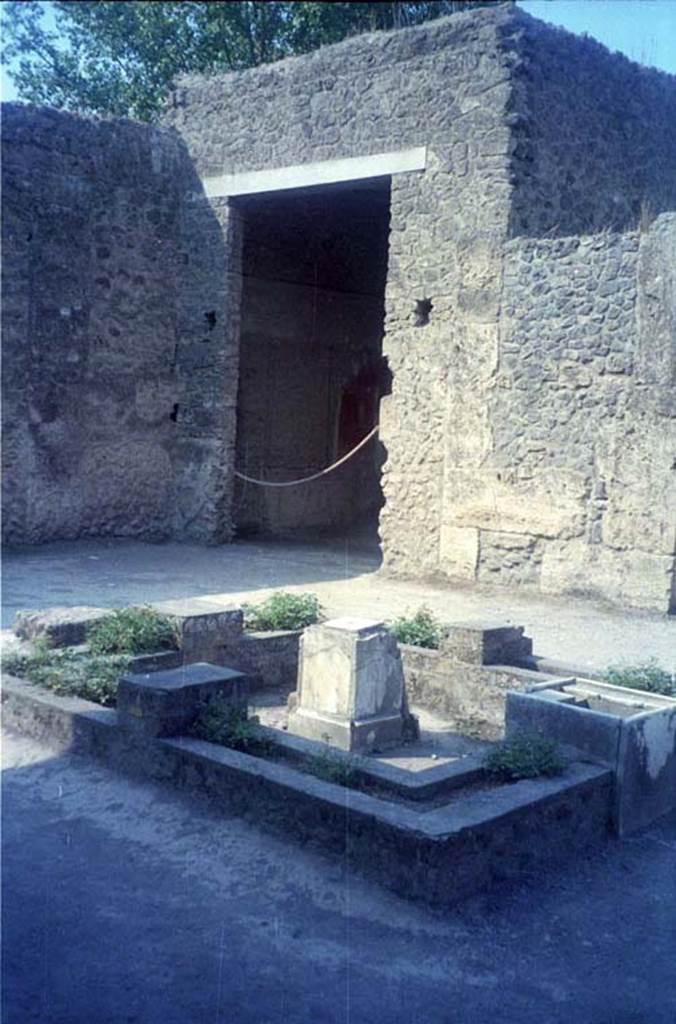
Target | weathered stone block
(62,627)
(203,628)
(167,703)
(631,731)
(270,659)
(486,643)
(459,551)
(350,686)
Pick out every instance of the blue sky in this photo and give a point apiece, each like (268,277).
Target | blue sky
(644,30)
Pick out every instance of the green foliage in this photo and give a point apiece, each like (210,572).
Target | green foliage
(282,611)
(523,757)
(119,59)
(220,721)
(343,771)
(132,631)
(71,672)
(420,630)
(647,675)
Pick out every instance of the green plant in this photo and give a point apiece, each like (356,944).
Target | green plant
(647,675)
(120,59)
(220,721)
(131,631)
(71,673)
(343,771)
(282,611)
(523,757)
(420,630)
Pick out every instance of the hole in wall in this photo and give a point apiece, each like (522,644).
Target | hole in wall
(210,318)
(173,415)
(421,313)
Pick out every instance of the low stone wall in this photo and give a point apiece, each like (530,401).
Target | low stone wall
(441,856)
(206,632)
(471,697)
(270,660)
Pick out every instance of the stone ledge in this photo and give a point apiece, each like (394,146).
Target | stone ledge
(63,626)
(417,785)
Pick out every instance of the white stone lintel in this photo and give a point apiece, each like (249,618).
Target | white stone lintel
(323,172)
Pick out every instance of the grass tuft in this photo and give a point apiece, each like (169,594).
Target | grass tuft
(419,630)
(282,611)
(647,675)
(523,757)
(132,631)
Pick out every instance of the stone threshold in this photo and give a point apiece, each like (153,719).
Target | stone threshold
(440,857)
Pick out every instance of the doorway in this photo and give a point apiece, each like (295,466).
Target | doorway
(311,366)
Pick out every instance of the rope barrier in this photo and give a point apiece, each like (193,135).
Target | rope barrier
(315,476)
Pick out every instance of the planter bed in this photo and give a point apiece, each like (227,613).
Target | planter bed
(441,855)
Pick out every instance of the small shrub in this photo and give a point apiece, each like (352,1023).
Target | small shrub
(340,770)
(648,676)
(132,631)
(282,611)
(71,673)
(420,630)
(523,757)
(222,722)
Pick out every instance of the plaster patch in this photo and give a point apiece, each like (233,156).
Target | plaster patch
(658,739)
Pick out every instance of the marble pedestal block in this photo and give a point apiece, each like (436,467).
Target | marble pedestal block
(351,687)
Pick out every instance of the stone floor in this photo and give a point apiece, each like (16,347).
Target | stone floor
(345,576)
(438,744)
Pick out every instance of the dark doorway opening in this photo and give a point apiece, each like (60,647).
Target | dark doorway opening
(311,366)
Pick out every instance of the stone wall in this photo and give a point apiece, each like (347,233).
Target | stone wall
(577,492)
(470,698)
(445,85)
(108,423)
(594,136)
(559,431)
(529,432)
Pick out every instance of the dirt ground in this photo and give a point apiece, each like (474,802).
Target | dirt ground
(345,576)
(125,903)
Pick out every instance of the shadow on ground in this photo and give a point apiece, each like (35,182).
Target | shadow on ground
(125,902)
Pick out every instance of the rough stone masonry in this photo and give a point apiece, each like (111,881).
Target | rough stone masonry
(504,304)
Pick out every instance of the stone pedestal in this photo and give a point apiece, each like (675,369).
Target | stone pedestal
(486,643)
(351,687)
(167,703)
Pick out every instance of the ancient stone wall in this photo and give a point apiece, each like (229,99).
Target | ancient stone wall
(529,433)
(577,492)
(594,136)
(106,421)
(561,475)
(445,85)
